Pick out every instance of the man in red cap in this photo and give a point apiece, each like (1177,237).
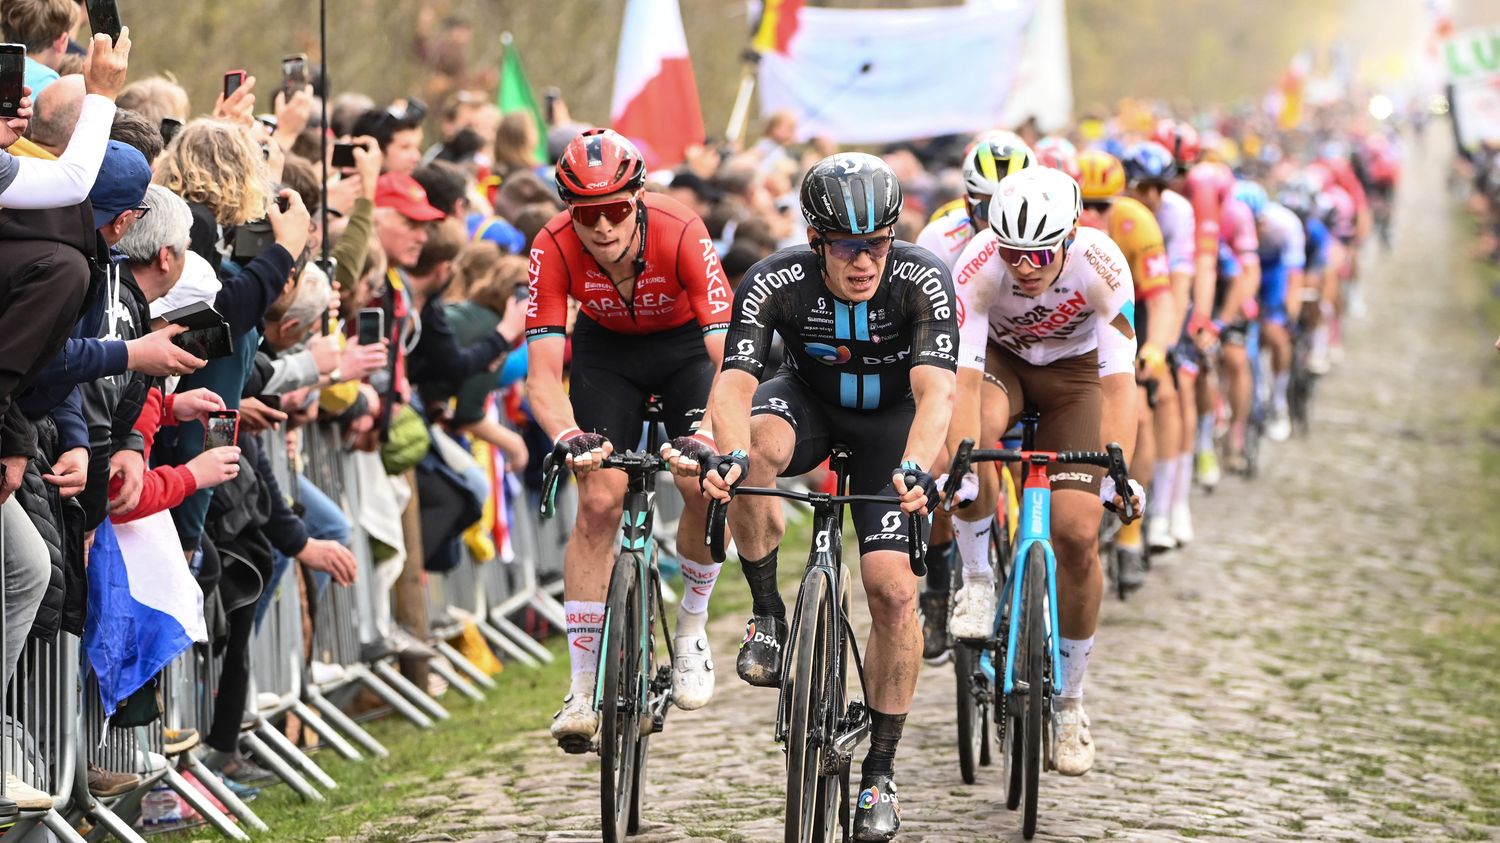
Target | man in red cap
(402,213)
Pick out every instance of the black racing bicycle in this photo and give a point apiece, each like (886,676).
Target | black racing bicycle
(815,723)
(633,692)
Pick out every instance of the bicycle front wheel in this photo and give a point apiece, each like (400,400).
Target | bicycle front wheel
(619,700)
(1032,654)
(815,689)
(970,718)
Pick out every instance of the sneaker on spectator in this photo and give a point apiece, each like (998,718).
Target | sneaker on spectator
(106,783)
(408,645)
(178,741)
(324,673)
(236,766)
(26,797)
(245,792)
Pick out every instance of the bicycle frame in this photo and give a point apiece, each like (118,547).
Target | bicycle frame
(636,525)
(1035,528)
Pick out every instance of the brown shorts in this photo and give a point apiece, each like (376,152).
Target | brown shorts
(1067,394)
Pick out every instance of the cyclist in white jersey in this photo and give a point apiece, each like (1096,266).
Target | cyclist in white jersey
(991,157)
(1045,319)
(1149,168)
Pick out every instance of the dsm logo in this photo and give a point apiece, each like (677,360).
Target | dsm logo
(827,354)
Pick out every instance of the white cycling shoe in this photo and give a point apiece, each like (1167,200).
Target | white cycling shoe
(576,723)
(973,617)
(1182,524)
(692,672)
(1074,754)
(1159,533)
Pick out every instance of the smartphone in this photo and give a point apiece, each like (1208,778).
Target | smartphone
(272,401)
(223,428)
(371,327)
(104,17)
(232,82)
(209,343)
(293,74)
(12,79)
(343,156)
(170,126)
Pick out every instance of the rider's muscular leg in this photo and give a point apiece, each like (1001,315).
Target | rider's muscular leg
(756,522)
(1238,385)
(1080,579)
(895,648)
(601,496)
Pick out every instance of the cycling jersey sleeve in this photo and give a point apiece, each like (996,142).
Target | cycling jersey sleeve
(1294,244)
(700,274)
(757,313)
(931,237)
(934,325)
(1116,351)
(1205,205)
(547,276)
(982,274)
(1238,228)
(1111,294)
(1150,267)
(1317,244)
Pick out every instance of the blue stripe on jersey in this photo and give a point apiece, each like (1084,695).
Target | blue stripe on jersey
(848,390)
(841,321)
(862,321)
(871,399)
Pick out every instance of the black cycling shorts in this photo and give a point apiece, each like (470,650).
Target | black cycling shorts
(613,374)
(876,440)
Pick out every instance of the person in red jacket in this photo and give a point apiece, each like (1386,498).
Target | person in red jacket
(164,487)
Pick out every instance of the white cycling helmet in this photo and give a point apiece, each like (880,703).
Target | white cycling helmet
(993,156)
(1036,208)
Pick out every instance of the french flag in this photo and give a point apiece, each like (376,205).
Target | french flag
(145,608)
(655,100)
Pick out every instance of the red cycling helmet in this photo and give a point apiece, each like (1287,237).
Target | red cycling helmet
(1180,139)
(597,163)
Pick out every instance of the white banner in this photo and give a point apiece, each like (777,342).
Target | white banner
(1472,59)
(879,75)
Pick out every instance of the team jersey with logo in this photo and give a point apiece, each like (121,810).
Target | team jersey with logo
(948,234)
(1133,228)
(1068,319)
(858,355)
(1283,243)
(681,281)
(1175,219)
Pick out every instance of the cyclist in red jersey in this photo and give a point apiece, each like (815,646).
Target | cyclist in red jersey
(653,306)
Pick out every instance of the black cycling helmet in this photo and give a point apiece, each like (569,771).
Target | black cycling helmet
(851,192)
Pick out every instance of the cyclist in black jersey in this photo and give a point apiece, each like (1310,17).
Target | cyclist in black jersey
(871,337)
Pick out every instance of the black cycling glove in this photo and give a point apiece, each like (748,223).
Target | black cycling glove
(721,463)
(915,477)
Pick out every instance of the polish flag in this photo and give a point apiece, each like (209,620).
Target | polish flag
(655,100)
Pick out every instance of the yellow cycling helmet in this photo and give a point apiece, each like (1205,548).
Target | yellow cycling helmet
(1100,175)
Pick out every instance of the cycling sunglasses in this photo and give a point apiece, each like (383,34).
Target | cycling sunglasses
(1038,258)
(848,250)
(616,211)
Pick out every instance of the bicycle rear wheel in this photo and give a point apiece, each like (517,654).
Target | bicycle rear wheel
(816,692)
(1034,640)
(619,708)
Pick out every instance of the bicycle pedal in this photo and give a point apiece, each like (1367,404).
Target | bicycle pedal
(577,745)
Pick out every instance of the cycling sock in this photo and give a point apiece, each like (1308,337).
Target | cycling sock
(698,583)
(1206,433)
(939,564)
(1185,476)
(885,734)
(761,575)
(1278,389)
(1164,487)
(1130,535)
(1075,661)
(585,629)
(973,540)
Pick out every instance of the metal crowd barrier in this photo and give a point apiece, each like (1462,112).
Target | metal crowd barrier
(446,617)
(276,671)
(189,686)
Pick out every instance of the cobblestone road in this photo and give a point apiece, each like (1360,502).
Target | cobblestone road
(1253,690)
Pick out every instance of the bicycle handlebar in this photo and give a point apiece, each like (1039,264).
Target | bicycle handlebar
(631,462)
(718,512)
(1112,459)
